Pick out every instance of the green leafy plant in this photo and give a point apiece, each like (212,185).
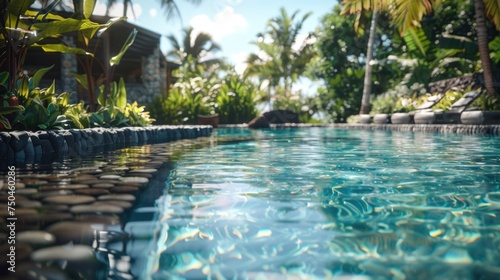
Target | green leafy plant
(137,116)
(236,100)
(486,103)
(449,98)
(43,108)
(78,115)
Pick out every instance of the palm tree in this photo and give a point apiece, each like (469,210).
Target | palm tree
(406,13)
(195,47)
(169,7)
(282,58)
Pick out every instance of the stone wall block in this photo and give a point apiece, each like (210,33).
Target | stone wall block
(29,150)
(18,140)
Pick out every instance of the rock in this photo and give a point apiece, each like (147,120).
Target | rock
(69,199)
(19,140)
(141,180)
(65,253)
(123,197)
(76,232)
(36,237)
(92,192)
(96,208)
(274,117)
(281,116)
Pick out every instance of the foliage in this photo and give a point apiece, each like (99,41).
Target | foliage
(236,100)
(136,115)
(449,98)
(486,103)
(399,99)
(195,49)
(193,94)
(43,108)
(342,63)
(196,92)
(282,58)
(305,106)
(78,115)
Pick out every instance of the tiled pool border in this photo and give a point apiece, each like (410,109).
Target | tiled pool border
(471,129)
(32,147)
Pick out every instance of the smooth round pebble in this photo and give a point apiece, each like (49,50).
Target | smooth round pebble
(69,199)
(125,197)
(67,253)
(96,208)
(36,237)
(135,180)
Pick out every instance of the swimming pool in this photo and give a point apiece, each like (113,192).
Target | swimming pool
(321,203)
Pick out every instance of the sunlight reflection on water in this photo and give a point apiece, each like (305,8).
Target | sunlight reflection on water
(317,203)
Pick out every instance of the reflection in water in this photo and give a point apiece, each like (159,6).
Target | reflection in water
(320,203)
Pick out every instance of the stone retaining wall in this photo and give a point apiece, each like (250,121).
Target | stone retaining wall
(24,147)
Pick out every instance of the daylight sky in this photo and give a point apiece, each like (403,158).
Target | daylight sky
(232,23)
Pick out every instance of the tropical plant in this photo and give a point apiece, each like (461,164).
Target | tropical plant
(43,108)
(342,65)
(360,7)
(282,58)
(196,49)
(407,14)
(236,100)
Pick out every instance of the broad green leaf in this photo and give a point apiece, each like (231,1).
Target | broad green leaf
(56,28)
(416,39)
(5,122)
(495,49)
(109,24)
(10,109)
(84,8)
(39,74)
(121,98)
(130,40)
(81,79)
(4,76)
(23,89)
(51,90)
(100,99)
(60,48)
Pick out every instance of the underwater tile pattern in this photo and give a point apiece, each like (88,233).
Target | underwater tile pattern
(322,203)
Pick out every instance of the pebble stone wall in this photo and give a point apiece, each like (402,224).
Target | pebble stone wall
(43,146)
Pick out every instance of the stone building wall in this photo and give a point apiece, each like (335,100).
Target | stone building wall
(69,65)
(151,77)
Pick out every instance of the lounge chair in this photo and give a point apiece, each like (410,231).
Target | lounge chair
(452,115)
(405,118)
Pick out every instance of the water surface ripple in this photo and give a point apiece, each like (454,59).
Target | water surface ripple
(323,203)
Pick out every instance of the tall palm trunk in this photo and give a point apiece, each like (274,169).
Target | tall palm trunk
(484,52)
(367,87)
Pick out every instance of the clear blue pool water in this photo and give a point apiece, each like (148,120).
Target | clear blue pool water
(320,203)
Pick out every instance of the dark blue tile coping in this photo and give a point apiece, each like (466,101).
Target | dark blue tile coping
(487,129)
(26,147)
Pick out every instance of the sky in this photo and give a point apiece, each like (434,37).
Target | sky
(233,24)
